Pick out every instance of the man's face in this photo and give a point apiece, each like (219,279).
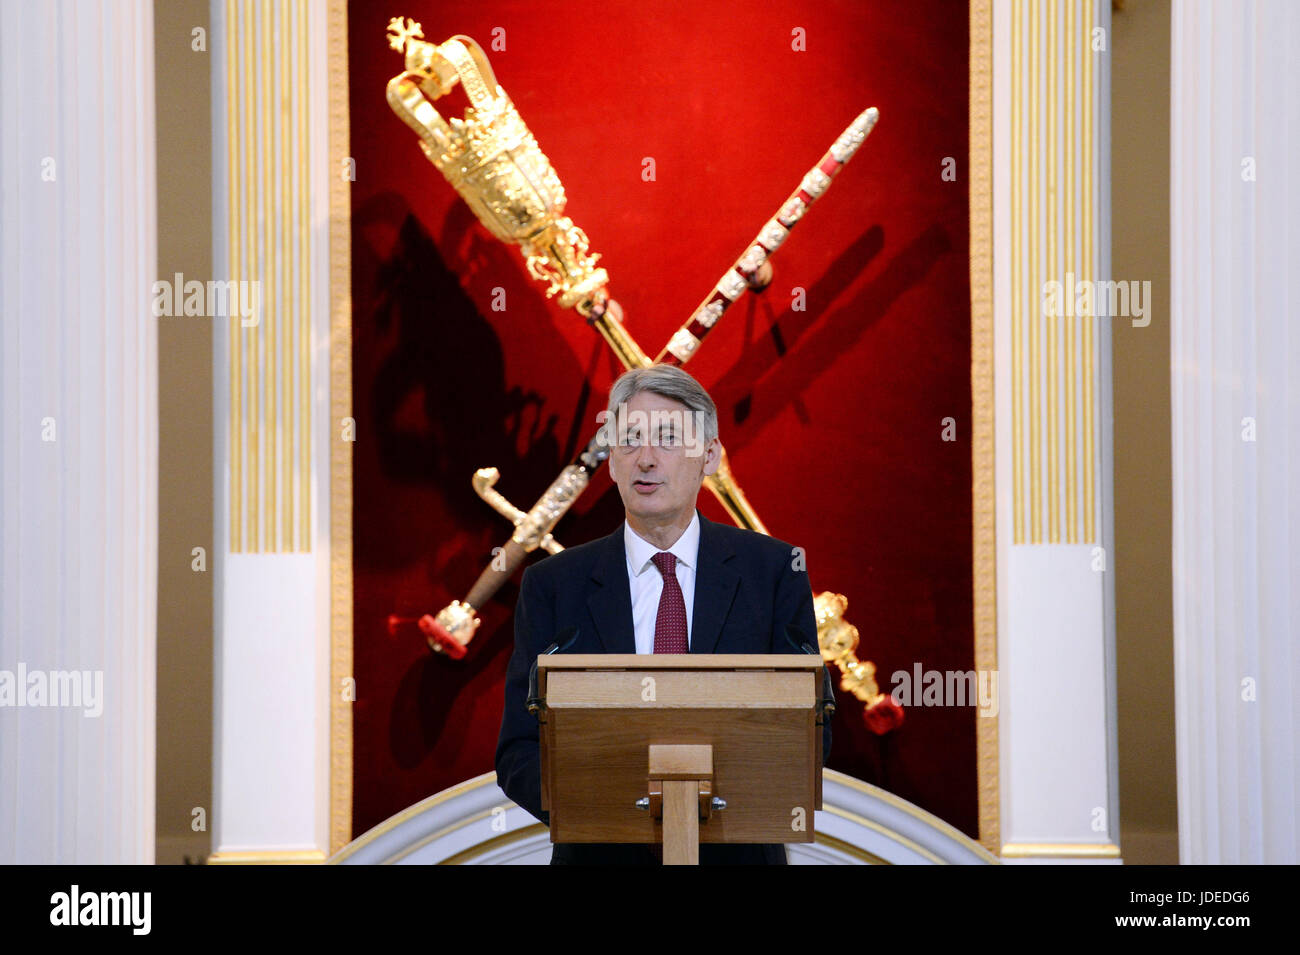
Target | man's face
(660,459)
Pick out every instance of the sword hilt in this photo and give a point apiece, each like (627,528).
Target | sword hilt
(451,630)
(484,480)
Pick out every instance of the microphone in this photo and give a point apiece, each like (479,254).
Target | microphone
(567,638)
(794,637)
(826,704)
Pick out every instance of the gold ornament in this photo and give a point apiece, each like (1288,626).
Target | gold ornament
(492,159)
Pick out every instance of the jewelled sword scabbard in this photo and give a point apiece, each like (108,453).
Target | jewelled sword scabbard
(742,274)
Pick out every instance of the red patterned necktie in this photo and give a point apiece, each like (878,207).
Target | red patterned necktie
(670,625)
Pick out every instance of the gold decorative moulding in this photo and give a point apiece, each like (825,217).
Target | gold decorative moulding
(492,159)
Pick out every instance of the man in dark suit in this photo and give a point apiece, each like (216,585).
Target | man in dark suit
(666,581)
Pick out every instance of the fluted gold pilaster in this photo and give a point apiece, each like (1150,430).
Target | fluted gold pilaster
(1053,193)
(269,244)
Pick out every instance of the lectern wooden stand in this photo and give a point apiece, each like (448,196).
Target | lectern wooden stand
(680,748)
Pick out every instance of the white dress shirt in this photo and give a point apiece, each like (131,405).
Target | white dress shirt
(647,584)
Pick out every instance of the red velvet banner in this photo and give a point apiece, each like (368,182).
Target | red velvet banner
(833,415)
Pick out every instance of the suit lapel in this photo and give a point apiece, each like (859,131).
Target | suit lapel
(715,588)
(611,603)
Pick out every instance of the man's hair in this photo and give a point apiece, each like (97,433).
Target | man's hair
(669,381)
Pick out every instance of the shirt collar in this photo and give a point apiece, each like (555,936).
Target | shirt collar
(639,550)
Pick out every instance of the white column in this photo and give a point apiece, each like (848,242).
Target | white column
(78,433)
(1236,429)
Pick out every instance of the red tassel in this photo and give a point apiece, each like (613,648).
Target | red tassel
(883,716)
(395,623)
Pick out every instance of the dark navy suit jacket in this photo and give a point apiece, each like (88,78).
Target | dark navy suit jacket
(747,591)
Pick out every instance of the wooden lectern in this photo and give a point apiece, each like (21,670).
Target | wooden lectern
(680,748)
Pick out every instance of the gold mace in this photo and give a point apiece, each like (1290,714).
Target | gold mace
(492,159)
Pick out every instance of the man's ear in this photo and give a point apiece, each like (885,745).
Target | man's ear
(712,456)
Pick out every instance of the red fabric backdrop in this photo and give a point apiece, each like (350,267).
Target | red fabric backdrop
(831,416)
